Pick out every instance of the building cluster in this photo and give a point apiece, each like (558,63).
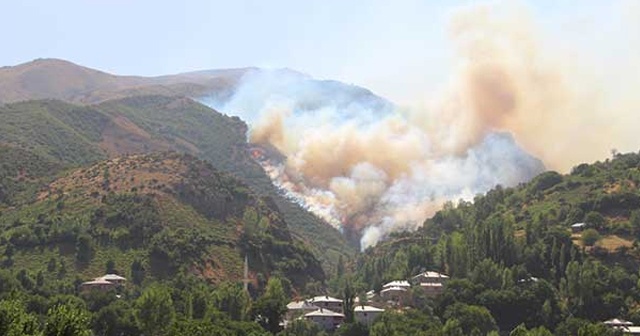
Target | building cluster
(328,312)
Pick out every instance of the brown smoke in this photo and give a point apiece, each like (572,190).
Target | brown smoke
(510,78)
(394,172)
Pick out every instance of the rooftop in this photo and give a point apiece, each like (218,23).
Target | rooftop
(397,283)
(431,274)
(301,305)
(324,313)
(112,277)
(97,281)
(367,309)
(395,288)
(325,298)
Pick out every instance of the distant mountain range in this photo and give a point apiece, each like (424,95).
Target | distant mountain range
(58,117)
(63,80)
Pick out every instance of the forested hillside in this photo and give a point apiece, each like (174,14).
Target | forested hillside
(513,251)
(167,213)
(59,135)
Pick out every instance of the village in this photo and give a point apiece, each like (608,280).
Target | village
(329,312)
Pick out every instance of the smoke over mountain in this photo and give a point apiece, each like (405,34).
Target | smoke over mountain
(370,168)
(360,163)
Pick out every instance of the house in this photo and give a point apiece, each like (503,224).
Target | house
(431,282)
(327,302)
(626,327)
(430,277)
(394,293)
(297,309)
(578,227)
(325,318)
(366,314)
(368,296)
(398,283)
(432,289)
(97,284)
(103,283)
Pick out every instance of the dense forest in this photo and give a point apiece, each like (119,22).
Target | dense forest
(512,254)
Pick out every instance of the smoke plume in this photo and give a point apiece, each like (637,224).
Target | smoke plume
(371,168)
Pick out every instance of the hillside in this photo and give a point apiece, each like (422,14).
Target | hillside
(495,245)
(63,80)
(171,213)
(70,135)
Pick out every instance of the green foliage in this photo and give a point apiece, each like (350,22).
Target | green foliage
(301,327)
(15,321)
(66,320)
(154,311)
(231,299)
(471,318)
(269,309)
(410,322)
(352,329)
(512,252)
(590,237)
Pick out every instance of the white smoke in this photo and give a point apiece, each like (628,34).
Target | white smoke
(359,163)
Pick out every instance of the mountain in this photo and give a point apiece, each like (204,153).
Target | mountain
(170,212)
(67,135)
(63,80)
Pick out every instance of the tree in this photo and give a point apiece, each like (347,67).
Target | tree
(116,319)
(634,220)
(110,266)
(231,299)
(352,329)
(301,328)
(348,300)
(84,248)
(15,321)
(590,237)
(271,306)
(471,317)
(67,320)
(595,220)
(137,272)
(452,328)
(154,311)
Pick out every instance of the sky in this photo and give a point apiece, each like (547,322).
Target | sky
(396,48)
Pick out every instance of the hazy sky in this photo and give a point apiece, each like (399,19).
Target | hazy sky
(397,48)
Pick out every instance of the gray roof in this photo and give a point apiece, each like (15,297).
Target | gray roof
(301,305)
(367,309)
(324,313)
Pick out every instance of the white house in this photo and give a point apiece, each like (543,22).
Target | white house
(327,302)
(114,278)
(97,284)
(430,276)
(104,283)
(626,327)
(366,314)
(431,282)
(398,283)
(297,309)
(325,318)
(394,293)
